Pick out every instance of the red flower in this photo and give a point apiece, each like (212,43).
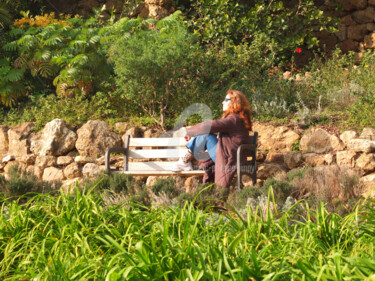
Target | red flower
(299,50)
(348,9)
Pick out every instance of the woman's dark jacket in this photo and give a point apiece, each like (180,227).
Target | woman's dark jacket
(233,133)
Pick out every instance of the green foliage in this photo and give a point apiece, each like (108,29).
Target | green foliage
(275,28)
(100,106)
(70,57)
(157,58)
(167,186)
(5,16)
(21,183)
(117,183)
(80,237)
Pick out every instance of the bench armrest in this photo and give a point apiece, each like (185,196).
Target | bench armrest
(108,155)
(250,169)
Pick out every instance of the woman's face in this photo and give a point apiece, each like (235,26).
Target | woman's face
(226,102)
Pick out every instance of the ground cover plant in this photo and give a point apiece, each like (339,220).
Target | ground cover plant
(79,237)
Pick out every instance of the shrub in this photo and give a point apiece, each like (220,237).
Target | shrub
(44,52)
(120,184)
(275,28)
(332,184)
(166,186)
(157,58)
(22,183)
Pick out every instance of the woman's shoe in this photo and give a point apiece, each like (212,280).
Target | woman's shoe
(180,165)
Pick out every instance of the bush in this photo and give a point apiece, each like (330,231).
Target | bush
(23,183)
(275,28)
(119,184)
(158,58)
(166,186)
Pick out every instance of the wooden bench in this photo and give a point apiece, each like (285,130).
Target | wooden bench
(159,154)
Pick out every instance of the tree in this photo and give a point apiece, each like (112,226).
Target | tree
(151,64)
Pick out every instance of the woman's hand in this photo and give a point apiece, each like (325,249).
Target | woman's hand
(180,133)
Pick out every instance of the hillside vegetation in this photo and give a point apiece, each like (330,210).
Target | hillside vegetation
(148,71)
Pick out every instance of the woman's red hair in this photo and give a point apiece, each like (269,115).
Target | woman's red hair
(239,105)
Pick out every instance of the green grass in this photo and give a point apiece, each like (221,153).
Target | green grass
(78,237)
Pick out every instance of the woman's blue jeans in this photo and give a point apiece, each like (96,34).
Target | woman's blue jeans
(202,143)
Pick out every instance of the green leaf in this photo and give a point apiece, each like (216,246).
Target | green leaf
(14,75)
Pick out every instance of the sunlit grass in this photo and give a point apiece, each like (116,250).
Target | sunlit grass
(79,237)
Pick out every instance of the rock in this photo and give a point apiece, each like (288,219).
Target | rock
(366,162)
(84,159)
(348,20)
(293,160)
(100,160)
(273,138)
(368,185)
(72,171)
(346,136)
(370,27)
(18,138)
(92,170)
(152,133)
(349,45)
(151,180)
(64,160)
(341,33)
(357,32)
(268,170)
(369,41)
(4,142)
(287,75)
(275,157)
(318,140)
(121,127)
(364,16)
(27,159)
(368,134)
(358,4)
(346,158)
(94,138)
(134,132)
(8,158)
(361,145)
(358,57)
(260,156)
(11,164)
(38,172)
(313,159)
(45,161)
(55,139)
(329,159)
(157,12)
(165,3)
(68,186)
(191,184)
(52,174)
(371,2)
(327,40)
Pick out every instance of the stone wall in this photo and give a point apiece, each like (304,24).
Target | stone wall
(58,153)
(356,28)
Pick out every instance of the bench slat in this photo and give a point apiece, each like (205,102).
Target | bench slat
(156,142)
(157,153)
(150,166)
(164,173)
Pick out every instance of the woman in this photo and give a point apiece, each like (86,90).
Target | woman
(220,138)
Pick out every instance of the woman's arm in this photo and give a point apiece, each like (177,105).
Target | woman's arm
(223,125)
